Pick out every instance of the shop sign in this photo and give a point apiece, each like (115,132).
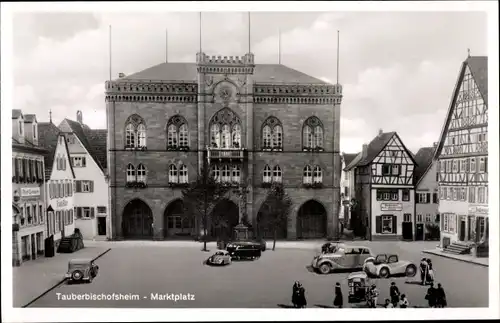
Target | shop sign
(30,191)
(391,207)
(62,203)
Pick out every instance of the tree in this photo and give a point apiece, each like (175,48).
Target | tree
(200,198)
(278,206)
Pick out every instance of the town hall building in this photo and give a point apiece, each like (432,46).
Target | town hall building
(249,124)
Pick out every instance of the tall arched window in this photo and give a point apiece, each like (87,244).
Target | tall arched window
(183,174)
(216,173)
(272,134)
(312,134)
(225,129)
(172,136)
(183,136)
(317,175)
(236,174)
(277,174)
(141,173)
(130,173)
(177,133)
(307,175)
(226,174)
(172,174)
(267,174)
(135,132)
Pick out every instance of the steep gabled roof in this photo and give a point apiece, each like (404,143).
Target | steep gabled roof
(16,113)
(423,160)
(81,133)
(375,147)
(98,141)
(263,73)
(47,138)
(478,66)
(348,158)
(353,163)
(29,118)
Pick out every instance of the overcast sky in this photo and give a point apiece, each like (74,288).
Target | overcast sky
(398,69)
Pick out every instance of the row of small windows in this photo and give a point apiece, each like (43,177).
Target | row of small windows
(471,138)
(464,165)
(225,132)
(467,194)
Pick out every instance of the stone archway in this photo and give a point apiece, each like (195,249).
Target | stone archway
(311,221)
(176,223)
(137,220)
(266,227)
(223,219)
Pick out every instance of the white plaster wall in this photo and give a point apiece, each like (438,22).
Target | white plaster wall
(407,207)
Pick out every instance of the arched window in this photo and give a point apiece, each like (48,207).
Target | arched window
(317,175)
(172,136)
(225,129)
(267,174)
(135,132)
(266,137)
(183,174)
(177,133)
(129,136)
(226,174)
(236,174)
(183,135)
(236,136)
(216,173)
(215,136)
(313,133)
(141,173)
(226,136)
(172,174)
(278,137)
(141,134)
(130,173)
(307,175)
(277,175)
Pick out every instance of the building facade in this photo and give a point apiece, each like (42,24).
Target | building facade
(249,124)
(462,157)
(384,189)
(28,189)
(426,190)
(346,189)
(87,150)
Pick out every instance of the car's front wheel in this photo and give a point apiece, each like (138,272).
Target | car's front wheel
(325,269)
(384,272)
(411,271)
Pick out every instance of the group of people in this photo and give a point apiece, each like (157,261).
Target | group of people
(426,271)
(396,298)
(436,297)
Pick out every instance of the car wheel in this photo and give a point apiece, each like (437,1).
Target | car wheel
(384,272)
(325,269)
(411,271)
(77,275)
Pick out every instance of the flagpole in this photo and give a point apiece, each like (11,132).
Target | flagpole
(166,45)
(249,31)
(200,31)
(279,46)
(110,53)
(338,51)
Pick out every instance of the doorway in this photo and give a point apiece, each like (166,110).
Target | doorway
(461,236)
(101,225)
(33,246)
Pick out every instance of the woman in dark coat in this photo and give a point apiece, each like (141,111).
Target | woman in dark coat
(431,296)
(394,292)
(440,297)
(301,296)
(430,271)
(295,294)
(423,270)
(339,300)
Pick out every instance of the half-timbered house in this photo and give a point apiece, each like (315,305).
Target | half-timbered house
(384,189)
(463,158)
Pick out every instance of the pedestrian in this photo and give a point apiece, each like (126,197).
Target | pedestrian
(403,303)
(440,297)
(423,270)
(388,303)
(302,303)
(295,294)
(431,296)
(339,300)
(430,271)
(373,296)
(394,293)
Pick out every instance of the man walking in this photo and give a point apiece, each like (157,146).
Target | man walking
(394,292)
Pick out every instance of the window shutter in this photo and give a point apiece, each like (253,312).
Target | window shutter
(91,184)
(16,169)
(78,186)
(83,161)
(394,224)
(485,164)
(78,212)
(92,212)
(37,170)
(428,198)
(378,224)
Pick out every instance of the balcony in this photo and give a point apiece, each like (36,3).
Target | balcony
(226,154)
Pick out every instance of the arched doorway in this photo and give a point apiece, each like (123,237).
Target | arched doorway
(224,218)
(311,221)
(177,223)
(266,224)
(137,220)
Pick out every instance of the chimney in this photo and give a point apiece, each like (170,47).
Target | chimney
(380,132)
(364,152)
(79,117)
(121,75)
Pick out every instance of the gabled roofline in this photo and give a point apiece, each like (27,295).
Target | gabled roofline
(425,172)
(91,157)
(404,146)
(67,152)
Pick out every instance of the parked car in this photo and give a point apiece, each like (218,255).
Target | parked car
(220,258)
(384,266)
(81,270)
(244,250)
(344,257)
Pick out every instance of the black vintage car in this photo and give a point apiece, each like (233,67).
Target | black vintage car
(240,250)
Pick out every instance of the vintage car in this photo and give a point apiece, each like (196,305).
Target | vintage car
(344,257)
(359,285)
(384,266)
(81,270)
(244,250)
(220,258)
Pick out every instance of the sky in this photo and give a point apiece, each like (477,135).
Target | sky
(397,69)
